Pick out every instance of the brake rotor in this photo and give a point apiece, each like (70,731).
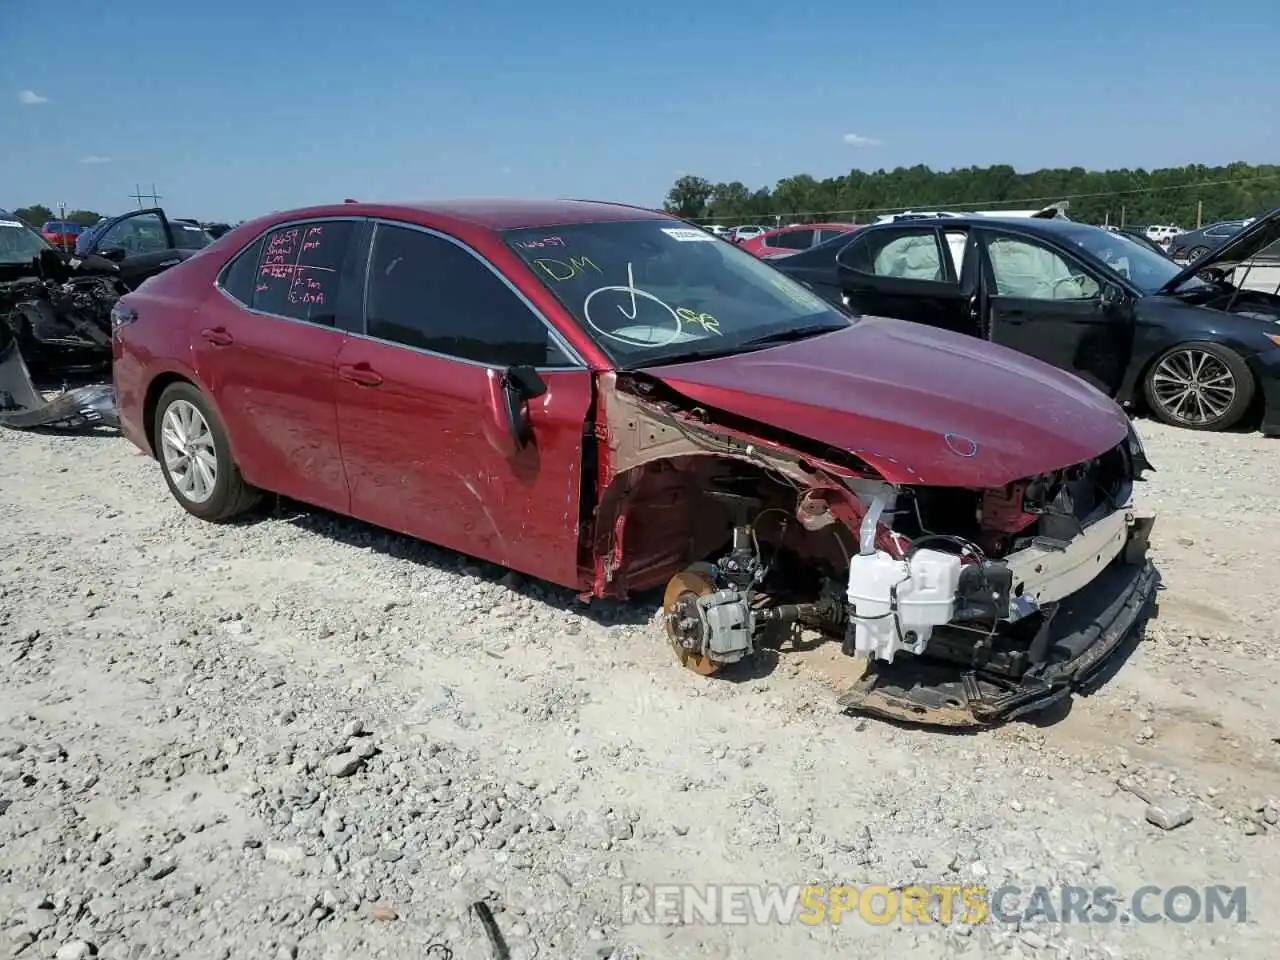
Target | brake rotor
(678,605)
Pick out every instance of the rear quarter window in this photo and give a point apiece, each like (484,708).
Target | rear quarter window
(237,276)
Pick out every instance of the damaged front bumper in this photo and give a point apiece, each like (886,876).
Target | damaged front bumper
(1079,605)
(23,408)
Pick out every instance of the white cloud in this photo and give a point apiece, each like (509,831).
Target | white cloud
(29,98)
(858,140)
(95,159)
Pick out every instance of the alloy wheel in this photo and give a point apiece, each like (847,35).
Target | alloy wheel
(186,443)
(1193,387)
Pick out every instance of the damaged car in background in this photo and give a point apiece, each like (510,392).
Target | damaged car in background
(55,325)
(55,311)
(607,399)
(1193,346)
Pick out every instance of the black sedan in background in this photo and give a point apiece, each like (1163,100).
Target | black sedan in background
(1185,343)
(1194,244)
(143,242)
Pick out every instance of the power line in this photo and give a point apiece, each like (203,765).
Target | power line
(930,205)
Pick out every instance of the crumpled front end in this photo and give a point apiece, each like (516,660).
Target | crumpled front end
(997,603)
(56,323)
(969,603)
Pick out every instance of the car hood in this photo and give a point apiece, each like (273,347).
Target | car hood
(1245,245)
(921,405)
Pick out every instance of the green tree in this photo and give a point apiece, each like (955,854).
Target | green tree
(688,197)
(35,215)
(86,218)
(1174,195)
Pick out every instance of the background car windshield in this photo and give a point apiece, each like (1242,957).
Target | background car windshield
(652,290)
(1148,270)
(18,242)
(188,236)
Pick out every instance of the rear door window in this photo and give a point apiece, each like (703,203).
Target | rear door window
(794,240)
(299,271)
(904,253)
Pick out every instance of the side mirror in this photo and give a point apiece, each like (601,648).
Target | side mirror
(519,386)
(115,254)
(1112,295)
(507,428)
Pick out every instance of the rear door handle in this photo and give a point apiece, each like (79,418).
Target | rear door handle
(218,336)
(360,374)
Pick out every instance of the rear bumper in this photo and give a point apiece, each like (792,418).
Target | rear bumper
(1089,630)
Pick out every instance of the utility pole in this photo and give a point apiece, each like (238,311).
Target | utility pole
(1122,220)
(1199,213)
(140,196)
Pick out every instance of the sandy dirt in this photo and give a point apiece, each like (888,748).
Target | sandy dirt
(299,736)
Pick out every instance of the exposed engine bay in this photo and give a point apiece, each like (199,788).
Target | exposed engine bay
(55,326)
(967,606)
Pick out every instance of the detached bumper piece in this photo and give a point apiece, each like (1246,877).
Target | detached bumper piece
(1075,643)
(23,408)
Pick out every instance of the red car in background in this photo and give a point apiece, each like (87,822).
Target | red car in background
(798,236)
(607,398)
(61,234)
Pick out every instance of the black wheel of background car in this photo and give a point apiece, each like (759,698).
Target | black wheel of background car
(1196,253)
(195,456)
(1200,386)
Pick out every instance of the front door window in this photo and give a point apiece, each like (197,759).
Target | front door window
(1029,271)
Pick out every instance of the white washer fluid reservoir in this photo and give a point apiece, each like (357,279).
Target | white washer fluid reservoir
(925,592)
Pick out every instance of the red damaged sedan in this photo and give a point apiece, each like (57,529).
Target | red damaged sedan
(605,398)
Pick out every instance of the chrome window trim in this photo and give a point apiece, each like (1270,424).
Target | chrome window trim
(575,359)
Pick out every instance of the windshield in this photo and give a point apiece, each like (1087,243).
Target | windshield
(187,236)
(650,291)
(1146,269)
(19,244)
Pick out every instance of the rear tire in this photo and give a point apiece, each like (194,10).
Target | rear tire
(1199,386)
(195,456)
(1196,254)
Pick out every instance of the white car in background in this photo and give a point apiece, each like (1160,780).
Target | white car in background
(738,234)
(1162,233)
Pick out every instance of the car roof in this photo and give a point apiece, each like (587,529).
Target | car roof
(1033,225)
(815,226)
(493,213)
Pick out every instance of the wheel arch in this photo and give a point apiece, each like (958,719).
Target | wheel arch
(151,400)
(1191,339)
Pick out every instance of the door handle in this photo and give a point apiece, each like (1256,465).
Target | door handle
(218,336)
(170,263)
(360,374)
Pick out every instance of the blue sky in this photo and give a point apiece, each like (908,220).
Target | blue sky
(237,107)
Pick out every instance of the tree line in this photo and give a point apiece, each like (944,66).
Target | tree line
(1170,195)
(37,215)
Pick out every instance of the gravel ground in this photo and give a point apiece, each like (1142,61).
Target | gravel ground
(303,737)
